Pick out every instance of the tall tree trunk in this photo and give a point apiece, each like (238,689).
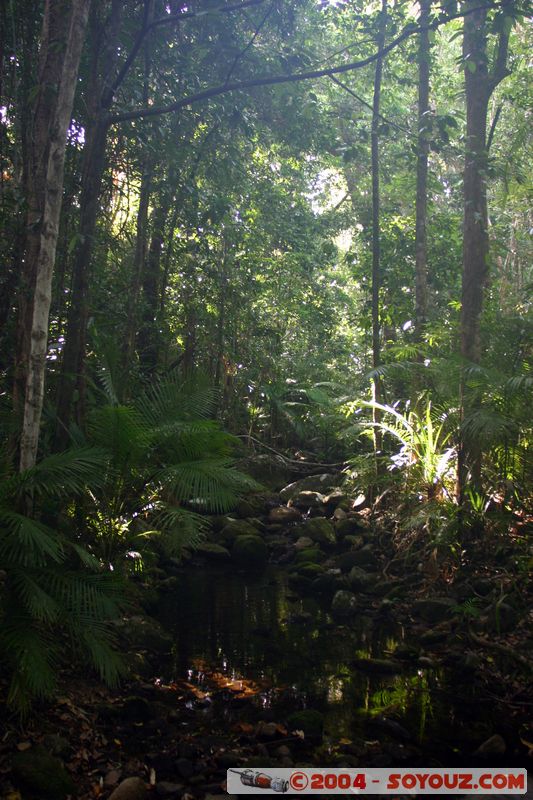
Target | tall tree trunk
(51,209)
(36,149)
(139,262)
(480,82)
(148,337)
(72,378)
(376,239)
(421,298)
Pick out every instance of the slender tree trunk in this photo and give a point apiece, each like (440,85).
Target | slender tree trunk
(72,378)
(480,82)
(376,239)
(51,209)
(139,262)
(148,337)
(36,147)
(421,299)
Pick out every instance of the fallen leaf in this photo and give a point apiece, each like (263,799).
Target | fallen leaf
(23,746)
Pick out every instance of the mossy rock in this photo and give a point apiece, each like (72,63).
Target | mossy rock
(43,774)
(310,721)
(320,530)
(310,554)
(361,581)
(250,551)
(348,527)
(309,570)
(364,558)
(231,532)
(212,551)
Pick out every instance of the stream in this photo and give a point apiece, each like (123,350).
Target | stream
(289,652)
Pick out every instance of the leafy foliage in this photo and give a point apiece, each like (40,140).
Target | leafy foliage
(166,462)
(52,584)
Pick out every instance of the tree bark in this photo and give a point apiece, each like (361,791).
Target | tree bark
(36,147)
(51,209)
(139,262)
(421,290)
(376,239)
(480,82)
(148,336)
(72,378)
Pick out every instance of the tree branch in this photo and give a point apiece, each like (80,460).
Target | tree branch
(272,80)
(500,70)
(169,20)
(368,105)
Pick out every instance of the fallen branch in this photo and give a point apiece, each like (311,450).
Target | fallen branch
(340,465)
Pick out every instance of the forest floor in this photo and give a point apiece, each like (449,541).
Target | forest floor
(177,738)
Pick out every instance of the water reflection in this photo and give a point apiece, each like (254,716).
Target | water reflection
(255,630)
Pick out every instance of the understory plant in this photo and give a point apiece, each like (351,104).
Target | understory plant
(425,456)
(168,465)
(54,595)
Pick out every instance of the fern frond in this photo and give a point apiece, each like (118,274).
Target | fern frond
(26,542)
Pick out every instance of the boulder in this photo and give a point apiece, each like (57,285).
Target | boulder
(308,499)
(335,498)
(130,789)
(310,721)
(303,543)
(212,551)
(319,530)
(309,555)
(364,557)
(313,483)
(250,551)
(361,581)
(348,526)
(284,514)
(42,773)
(233,529)
(344,603)
(309,569)
(433,609)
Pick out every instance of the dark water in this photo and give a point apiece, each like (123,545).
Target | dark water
(256,629)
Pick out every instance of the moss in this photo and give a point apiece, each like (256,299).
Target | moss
(250,551)
(42,773)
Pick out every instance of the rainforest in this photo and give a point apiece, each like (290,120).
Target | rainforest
(266,382)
